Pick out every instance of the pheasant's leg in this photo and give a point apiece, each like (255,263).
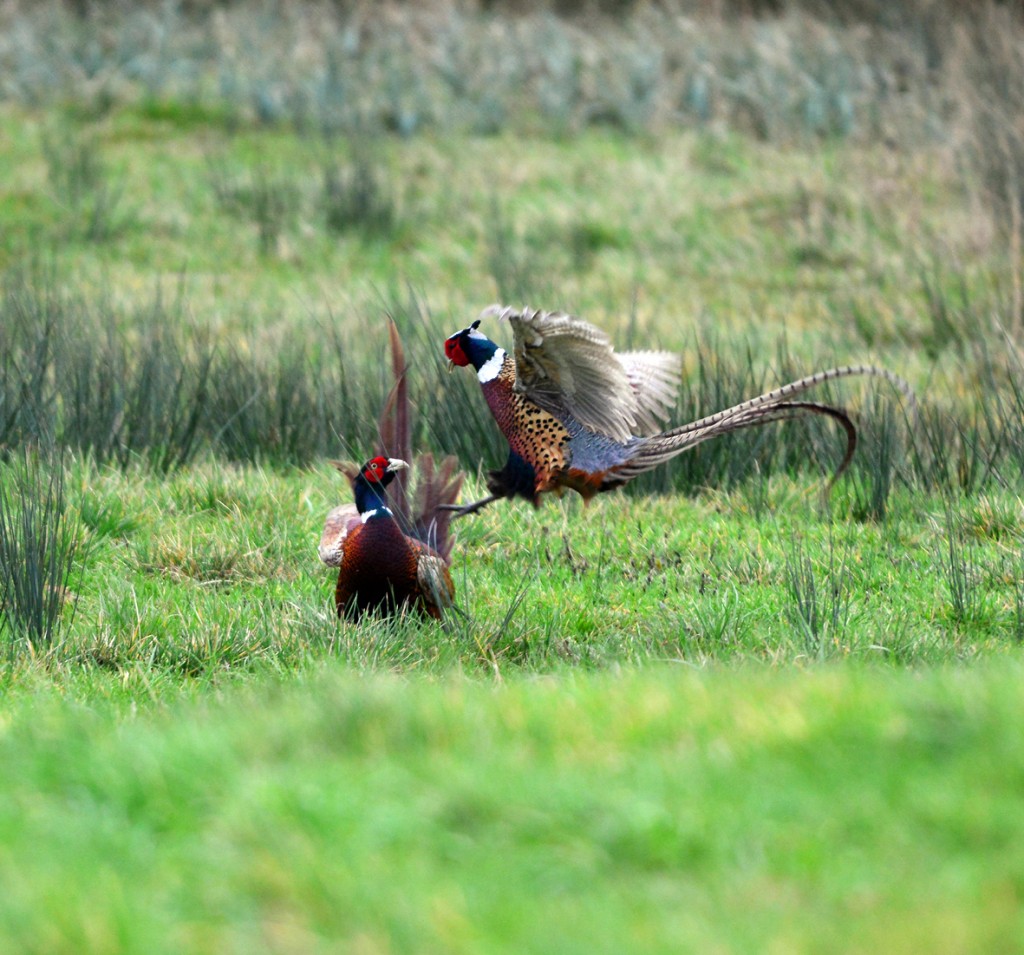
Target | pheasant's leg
(461,510)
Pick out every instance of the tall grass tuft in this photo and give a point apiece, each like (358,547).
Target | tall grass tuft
(875,466)
(72,373)
(133,396)
(978,440)
(1004,385)
(38,544)
(149,384)
(961,569)
(30,327)
(279,407)
(819,606)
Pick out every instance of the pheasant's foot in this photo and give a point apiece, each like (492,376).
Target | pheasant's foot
(461,510)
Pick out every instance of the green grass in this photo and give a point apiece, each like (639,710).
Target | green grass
(670,810)
(793,237)
(213,572)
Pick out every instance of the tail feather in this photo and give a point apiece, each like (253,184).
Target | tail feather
(436,485)
(416,508)
(658,450)
(775,405)
(395,431)
(785,392)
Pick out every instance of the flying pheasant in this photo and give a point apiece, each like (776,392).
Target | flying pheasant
(579,415)
(390,553)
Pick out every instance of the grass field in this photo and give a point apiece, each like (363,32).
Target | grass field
(712,712)
(664,810)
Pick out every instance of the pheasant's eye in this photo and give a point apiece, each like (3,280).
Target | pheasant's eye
(375,469)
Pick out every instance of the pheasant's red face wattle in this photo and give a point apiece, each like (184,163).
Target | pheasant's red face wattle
(375,469)
(454,351)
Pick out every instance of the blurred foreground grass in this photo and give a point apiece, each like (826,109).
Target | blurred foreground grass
(734,810)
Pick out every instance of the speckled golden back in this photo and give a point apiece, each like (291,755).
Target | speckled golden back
(536,435)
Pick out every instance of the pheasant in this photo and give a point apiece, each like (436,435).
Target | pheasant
(379,565)
(389,553)
(579,415)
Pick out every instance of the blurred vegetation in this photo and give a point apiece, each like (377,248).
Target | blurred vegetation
(778,70)
(920,73)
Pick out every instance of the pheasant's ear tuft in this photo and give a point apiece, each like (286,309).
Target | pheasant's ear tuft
(349,468)
(475,325)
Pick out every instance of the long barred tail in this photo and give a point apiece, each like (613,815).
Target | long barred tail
(776,405)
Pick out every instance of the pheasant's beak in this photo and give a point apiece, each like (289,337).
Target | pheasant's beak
(397,464)
(451,366)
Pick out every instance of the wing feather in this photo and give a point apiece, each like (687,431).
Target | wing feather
(434,581)
(655,377)
(568,367)
(339,523)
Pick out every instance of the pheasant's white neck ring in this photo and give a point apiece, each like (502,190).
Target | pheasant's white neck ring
(385,511)
(489,369)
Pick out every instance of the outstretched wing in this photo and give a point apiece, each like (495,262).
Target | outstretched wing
(655,377)
(568,367)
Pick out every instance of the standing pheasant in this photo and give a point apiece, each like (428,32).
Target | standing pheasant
(579,415)
(380,567)
(391,553)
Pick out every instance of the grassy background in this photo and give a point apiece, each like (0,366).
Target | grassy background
(712,711)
